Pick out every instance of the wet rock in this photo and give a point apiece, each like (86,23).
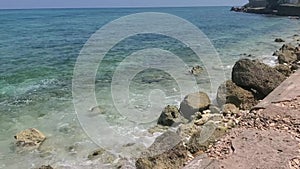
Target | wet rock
(193,103)
(286,54)
(171,116)
(202,139)
(30,138)
(284,69)
(158,129)
(230,109)
(229,92)
(45,167)
(200,119)
(257,76)
(279,40)
(196,70)
(168,151)
(102,155)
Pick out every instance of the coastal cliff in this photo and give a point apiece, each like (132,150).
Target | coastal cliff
(270,7)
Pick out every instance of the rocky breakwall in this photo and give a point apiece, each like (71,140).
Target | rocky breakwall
(199,134)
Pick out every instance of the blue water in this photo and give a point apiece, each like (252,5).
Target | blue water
(39,48)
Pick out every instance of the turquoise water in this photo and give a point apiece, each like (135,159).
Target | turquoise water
(39,48)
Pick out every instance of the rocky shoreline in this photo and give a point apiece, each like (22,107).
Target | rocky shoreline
(204,132)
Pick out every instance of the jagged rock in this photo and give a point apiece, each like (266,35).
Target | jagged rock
(254,75)
(45,167)
(286,54)
(279,40)
(102,155)
(196,70)
(30,138)
(230,109)
(202,139)
(229,92)
(168,151)
(193,103)
(284,69)
(171,116)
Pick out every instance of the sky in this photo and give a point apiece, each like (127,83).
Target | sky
(24,4)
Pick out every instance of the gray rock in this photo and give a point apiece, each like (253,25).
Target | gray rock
(229,92)
(214,109)
(193,103)
(102,155)
(170,116)
(230,109)
(286,54)
(196,70)
(168,151)
(254,75)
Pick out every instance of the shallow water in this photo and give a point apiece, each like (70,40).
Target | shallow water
(38,51)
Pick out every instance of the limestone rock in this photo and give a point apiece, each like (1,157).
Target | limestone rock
(229,92)
(286,54)
(230,109)
(284,69)
(193,103)
(254,75)
(171,116)
(202,139)
(168,151)
(30,138)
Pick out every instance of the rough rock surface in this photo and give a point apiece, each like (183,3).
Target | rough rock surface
(196,70)
(30,138)
(267,137)
(168,151)
(102,155)
(229,92)
(252,74)
(45,167)
(171,116)
(230,109)
(284,69)
(279,40)
(193,103)
(286,54)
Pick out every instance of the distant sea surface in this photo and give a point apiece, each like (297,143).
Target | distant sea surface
(39,48)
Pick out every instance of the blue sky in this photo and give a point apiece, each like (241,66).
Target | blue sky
(13,4)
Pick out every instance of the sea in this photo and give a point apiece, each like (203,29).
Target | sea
(41,49)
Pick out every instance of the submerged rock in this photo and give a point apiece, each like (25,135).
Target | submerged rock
(196,70)
(254,75)
(30,138)
(279,40)
(158,129)
(45,167)
(193,103)
(171,116)
(229,92)
(166,152)
(102,155)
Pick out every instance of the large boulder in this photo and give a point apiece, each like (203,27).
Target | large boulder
(193,103)
(254,75)
(171,116)
(229,92)
(31,138)
(287,54)
(167,151)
